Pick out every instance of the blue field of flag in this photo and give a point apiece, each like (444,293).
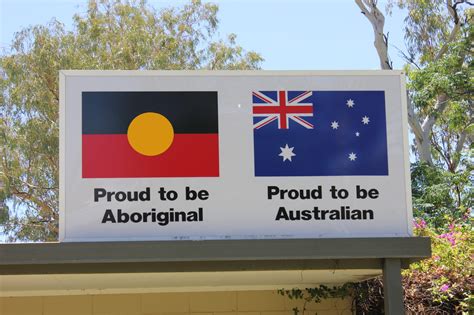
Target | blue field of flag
(320,133)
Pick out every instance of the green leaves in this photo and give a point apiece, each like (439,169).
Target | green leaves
(450,75)
(317,294)
(429,25)
(441,197)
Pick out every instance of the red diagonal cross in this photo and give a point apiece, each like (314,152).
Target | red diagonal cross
(282,109)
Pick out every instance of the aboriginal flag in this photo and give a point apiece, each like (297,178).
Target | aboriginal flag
(149,134)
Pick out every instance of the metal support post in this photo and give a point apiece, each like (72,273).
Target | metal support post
(392,287)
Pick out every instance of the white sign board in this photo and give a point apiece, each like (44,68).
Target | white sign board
(150,155)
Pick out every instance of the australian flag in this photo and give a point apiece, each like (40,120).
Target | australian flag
(319,133)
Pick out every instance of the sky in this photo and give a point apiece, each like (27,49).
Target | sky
(289,34)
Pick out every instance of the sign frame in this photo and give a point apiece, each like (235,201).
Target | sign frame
(64,74)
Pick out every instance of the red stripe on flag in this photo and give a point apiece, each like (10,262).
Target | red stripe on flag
(111,156)
(282,100)
(278,109)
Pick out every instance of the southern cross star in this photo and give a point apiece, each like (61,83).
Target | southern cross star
(287,153)
(334,125)
(352,156)
(365,120)
(350,103)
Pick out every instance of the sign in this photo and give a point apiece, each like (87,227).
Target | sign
(183,155)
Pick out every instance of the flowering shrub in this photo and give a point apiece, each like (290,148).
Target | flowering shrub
(442,284)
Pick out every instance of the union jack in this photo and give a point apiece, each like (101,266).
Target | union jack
(282,109)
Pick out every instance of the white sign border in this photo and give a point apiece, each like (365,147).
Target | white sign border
(63,74)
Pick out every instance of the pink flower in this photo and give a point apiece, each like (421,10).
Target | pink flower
(467,215)
(444,287)
(450,237)
(420,224)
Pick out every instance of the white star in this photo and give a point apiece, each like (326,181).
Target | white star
(350,103)
(365,120)
(357,134)
(287,153)
(334,125)
(352,156)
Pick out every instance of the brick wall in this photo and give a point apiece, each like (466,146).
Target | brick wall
(196,303)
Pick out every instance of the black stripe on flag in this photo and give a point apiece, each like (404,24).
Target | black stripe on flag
(112,112)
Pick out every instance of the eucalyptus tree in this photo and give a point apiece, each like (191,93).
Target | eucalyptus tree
(439,37)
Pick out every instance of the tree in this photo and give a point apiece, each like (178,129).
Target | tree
(111,35)
(439,36)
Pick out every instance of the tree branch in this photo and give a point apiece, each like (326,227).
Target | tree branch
(441,104)
(413,119)
(442,151)
(408,59)
(377,20)
(44,207)
(422,136)
(452,9)
(363,8)
(459,146)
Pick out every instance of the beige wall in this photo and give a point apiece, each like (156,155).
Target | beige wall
(196,303)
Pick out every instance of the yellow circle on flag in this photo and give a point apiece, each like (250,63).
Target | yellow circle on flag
(150,134)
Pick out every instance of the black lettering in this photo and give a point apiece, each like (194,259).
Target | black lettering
(146,215)
(305,194)
(333,191)
(334,215)
(306,215)
(373,193)
(136,217)
(162,218)
(162,193)
(282,214)
(272,191)
(368,213)
(316,212)
(109,195)
(356,214)
(120,196)
(362,193)
(192,216)
(323,214)
(294,215)
(108,217)
(190,194)
(316,193)
(203,195)
(123,217)
(132,196)
(145,195)
(171,195)
(293,194)
(99,193)
(180,216)
(342,193)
